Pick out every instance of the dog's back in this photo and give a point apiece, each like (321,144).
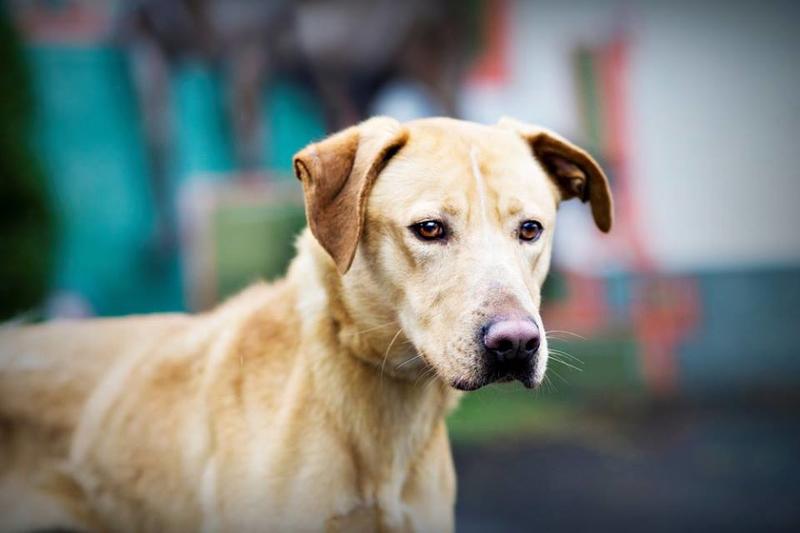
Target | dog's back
(47,374)
(48,371)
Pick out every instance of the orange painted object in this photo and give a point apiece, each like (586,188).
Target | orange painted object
(491,65)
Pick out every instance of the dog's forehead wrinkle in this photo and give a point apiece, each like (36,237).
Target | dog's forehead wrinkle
(434,207)
(501,191)
(480,187)
(514,206)
(450,205)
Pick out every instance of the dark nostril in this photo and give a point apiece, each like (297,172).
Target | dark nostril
(532,345)
(505,345)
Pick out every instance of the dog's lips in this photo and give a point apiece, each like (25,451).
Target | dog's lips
(527,379)
(466,385)
(523,373)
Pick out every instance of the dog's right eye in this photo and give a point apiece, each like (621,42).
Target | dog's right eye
(429,230)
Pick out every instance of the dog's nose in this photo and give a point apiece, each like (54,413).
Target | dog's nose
(512,340)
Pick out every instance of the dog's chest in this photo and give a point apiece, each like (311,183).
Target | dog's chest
(359,519)
(373,519)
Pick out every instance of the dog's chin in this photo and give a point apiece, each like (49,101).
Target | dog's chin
(527,378)
(467,384)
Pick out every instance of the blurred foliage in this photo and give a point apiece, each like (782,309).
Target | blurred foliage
(502,411)
(26,222)
(244,254)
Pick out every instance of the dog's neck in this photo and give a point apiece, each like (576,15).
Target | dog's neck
(387,419)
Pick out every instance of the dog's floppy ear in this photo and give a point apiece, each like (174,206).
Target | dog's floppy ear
(575,172)
(337,174)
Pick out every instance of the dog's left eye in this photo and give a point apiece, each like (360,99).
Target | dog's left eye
(530,230)
(429,230)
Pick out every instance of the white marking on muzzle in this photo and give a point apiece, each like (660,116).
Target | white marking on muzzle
(479,182)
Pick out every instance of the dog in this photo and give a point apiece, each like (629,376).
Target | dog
(318,402)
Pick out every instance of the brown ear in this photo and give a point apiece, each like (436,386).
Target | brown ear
(337,175)
(575,172)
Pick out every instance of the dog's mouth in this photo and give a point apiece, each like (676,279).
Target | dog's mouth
(522,371)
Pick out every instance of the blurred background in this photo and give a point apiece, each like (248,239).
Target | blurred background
(145,165)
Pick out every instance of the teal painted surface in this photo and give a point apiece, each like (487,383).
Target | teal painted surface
(202,133)
(748,335)
(91,145)
(293,118)
(90,137)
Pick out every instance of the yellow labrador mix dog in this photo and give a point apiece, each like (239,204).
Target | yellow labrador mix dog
(316,403)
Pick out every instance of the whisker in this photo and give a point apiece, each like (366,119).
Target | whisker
(409,360)
(549,383)
(386,354)
(373,328)
(563,331)
(569,355)
(559,376)
(430,380)
(557,360)
(428,372)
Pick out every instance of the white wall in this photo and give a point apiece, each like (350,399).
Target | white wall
(715,117)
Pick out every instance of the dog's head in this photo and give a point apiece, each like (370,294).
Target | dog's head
(447,227)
